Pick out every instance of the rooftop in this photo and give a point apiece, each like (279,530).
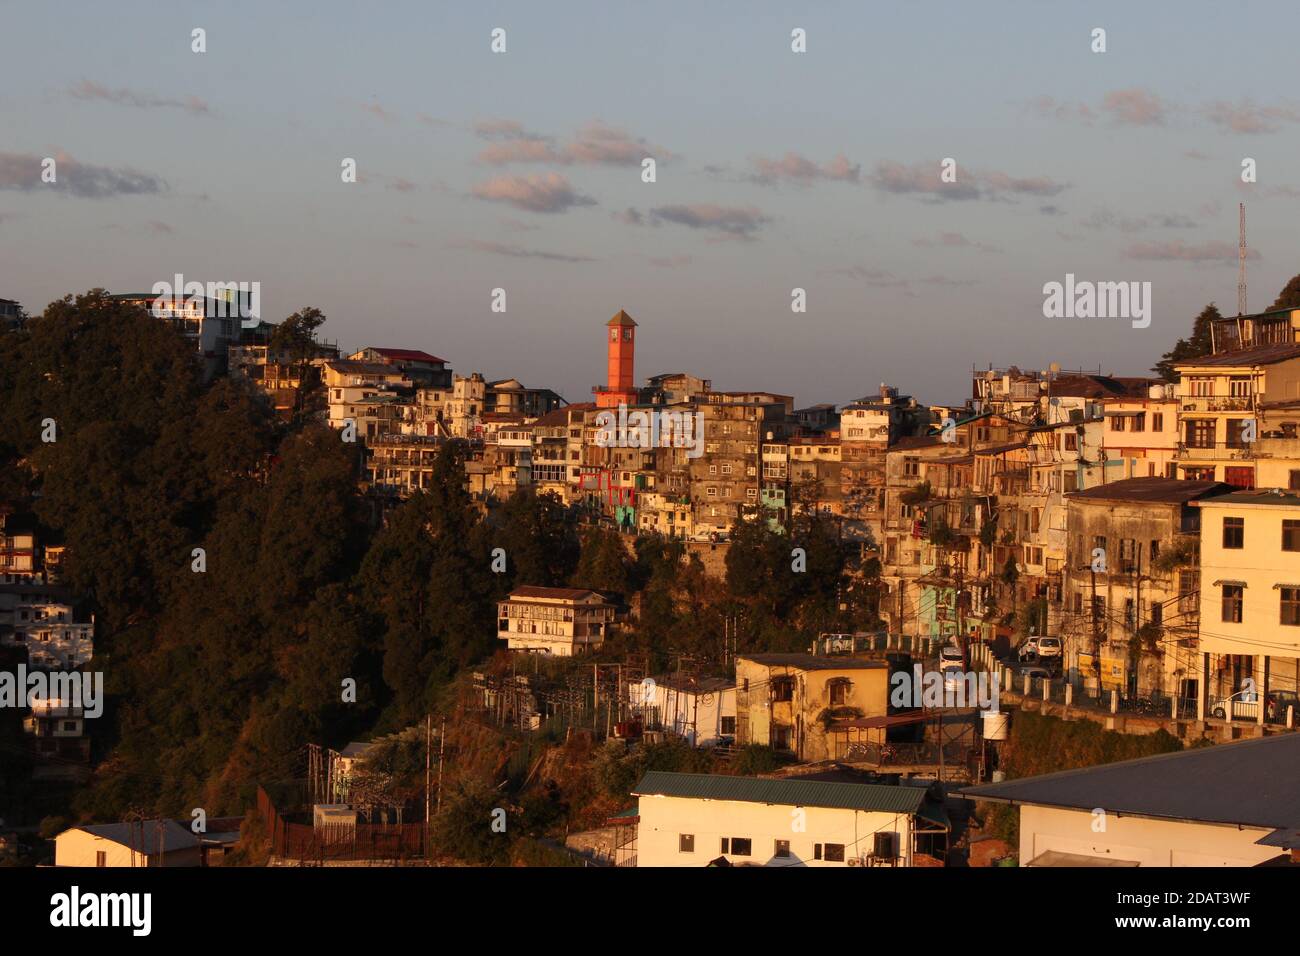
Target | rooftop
(812,662)
(1231,783)
(1155,490)
(555,594)
(1257,496)
(792,793)
(407,355)
(1256,355)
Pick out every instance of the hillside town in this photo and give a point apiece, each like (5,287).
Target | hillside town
(1067,545)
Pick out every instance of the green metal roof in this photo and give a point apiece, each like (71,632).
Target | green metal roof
(791,792)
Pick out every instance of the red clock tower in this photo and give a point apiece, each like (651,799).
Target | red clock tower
(621,387)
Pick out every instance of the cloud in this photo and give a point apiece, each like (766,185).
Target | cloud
(23,172)
(1103,218)
(733,222)
(1047,106)
(629,217)
(671,262)
(884,279)
(376,110)
(518,252)
(594,144)
(1179,251)
(795,168)
(548,192)
(1246,117)
(89,90)
(923,179)
(1135,107)
(953,240)
(401,185)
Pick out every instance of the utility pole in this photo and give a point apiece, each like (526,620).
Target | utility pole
(1241,260)
(442,743)
(428,761)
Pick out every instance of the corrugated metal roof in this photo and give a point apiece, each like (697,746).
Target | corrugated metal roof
(1235,783)
(792,793)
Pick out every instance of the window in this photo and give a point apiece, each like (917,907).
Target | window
(834,853)
(817,851)
(686,842)
(885,845)
(741,846)
(1200,433)
(1157,421)
(1071,441)
(1233,595)
(1236,429)
(839,692)
(1291,607)
(1157,613)
(729,725)
(726,845)
(781,849)
(1294,483)
(1117,423)
(1290,535)
(1234,534)
(783,689)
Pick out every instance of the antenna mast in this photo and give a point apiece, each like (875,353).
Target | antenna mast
(1241,262)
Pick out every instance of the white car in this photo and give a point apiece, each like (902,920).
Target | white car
(1049,647)
(949,655)
(1028,649)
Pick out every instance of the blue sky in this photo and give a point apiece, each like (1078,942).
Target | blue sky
(776,170)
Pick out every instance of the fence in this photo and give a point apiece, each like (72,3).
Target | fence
(375,843)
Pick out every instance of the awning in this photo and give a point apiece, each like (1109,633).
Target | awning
(1288,838)
(1122,414)
(1059,858)
(1239,584)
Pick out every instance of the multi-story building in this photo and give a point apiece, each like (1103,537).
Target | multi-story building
(1131,611)
(211,325)
(561,622)
(1141,434)
(19,559)
(1250,594)
(1222,398)
(373,395)
(11,315)
(421,368)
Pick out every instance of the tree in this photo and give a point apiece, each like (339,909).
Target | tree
(1201,343)
(295,337)
(1289,297)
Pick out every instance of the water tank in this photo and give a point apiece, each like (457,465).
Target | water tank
(1157,392)
(996,724)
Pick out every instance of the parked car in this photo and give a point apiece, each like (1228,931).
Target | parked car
(1277,702)
(1034,671)
(1029,649)
(1049,647)
(1243,705)
(950,654)
(953,680)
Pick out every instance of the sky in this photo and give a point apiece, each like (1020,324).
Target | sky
(774,170)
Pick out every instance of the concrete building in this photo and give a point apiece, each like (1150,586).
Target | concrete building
(687,819)
(1250,595)
(700,710)
(1225,805)
(421,368)
(562,622)
(1130,621)
(146,843)
(791,702)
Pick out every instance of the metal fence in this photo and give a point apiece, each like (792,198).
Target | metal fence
(379,843)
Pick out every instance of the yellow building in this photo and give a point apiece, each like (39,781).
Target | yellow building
(690,819)
(791,702)
(1250,593)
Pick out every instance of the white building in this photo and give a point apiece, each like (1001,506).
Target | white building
(703,711)
(692,819)
(1226,805)
(562,622)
